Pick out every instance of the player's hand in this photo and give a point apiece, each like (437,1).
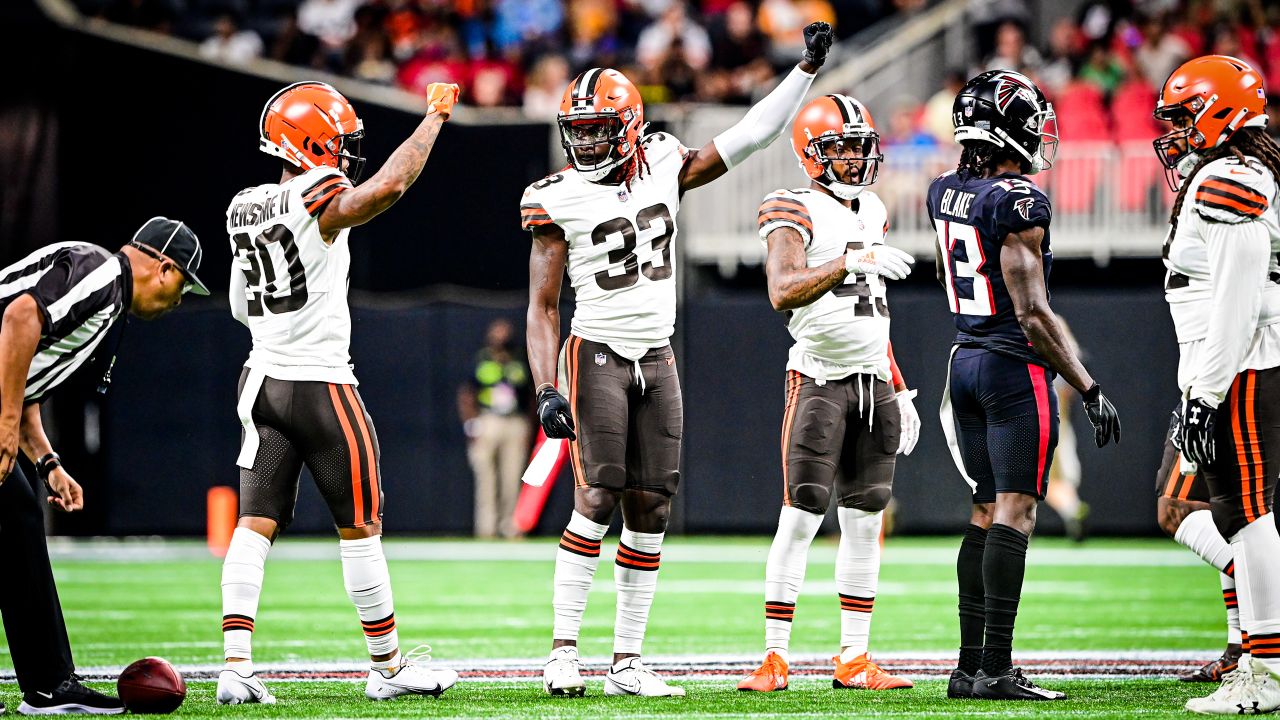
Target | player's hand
(910,422)
(1102,414)
(8,446)
(441,98)
(817,41)
(65,493)
(554,414)
(888,262)
(1175,428)
(1196,431)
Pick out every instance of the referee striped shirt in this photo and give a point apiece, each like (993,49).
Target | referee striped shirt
(82,291)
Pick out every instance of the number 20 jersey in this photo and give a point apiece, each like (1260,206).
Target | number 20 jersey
(620,239)
(846,330)
(972,216)
(296,284)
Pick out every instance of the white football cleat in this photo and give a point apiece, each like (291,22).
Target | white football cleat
(562,675)
(631,677)
(236,689)
(1244,691)
(413,678)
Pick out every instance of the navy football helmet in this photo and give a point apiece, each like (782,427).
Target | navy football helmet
(1006,109)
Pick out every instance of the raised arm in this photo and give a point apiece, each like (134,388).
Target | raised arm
(19,336)
(764,122)
(547,261)
(369,199)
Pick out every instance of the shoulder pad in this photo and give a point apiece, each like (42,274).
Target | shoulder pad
(319,186)
(1227,190)
(784,208)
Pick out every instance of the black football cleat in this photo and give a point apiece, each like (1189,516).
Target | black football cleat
(1012,685)
(1215,669)
(69,697)
(960,685)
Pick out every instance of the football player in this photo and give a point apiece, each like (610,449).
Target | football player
(298,401)
(844,422)
(993,258)
(609,219)
(1223,239)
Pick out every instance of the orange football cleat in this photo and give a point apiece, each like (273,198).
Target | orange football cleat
(861,673)
(770,676)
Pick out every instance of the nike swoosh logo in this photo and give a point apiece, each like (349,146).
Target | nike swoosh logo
(45,695)
(632,688)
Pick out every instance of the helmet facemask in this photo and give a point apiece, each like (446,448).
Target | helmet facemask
(1043,127)
(595,143)
(347,149)
(1176,147)
(856,150)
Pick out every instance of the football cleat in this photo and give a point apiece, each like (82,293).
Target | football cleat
(411,678)
(69,697)
(1012,685)
(960,685)
(562,675)
(236,689)
(861,673)
(770,676)
(1214,670)
(631,677)
(1244,691)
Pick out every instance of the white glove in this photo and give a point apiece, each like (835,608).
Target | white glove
(910,422)
(887,262)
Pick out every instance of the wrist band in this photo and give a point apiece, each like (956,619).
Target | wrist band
(47,463)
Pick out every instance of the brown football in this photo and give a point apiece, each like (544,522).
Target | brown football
(151,685)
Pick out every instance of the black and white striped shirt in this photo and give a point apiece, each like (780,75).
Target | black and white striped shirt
(82,291)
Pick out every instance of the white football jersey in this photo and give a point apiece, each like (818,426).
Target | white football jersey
(1223,192)
(621,261)
(295,285)
(845,331)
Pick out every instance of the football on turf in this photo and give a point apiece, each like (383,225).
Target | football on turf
(151,685)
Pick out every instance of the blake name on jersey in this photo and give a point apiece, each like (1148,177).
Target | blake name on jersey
(846,330)
(620,239)
(295,285)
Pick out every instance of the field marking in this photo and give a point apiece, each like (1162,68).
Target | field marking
(1057,664)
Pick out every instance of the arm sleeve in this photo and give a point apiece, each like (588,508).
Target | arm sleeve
(779,210)
(1238,257)
(765,121)
(236,294)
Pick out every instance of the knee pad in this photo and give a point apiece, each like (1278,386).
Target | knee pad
(609,475)
(811,497)
(871,500)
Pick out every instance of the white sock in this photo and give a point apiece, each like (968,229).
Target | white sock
(857,575)
(368,583)
(241,588)
(1199,533)
(1246,618)
(576,563)
(635,574)
(1257,549)
(1233,604)
(784,574)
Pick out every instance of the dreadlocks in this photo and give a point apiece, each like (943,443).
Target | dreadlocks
(1251,142)
(638,166)
(978,158)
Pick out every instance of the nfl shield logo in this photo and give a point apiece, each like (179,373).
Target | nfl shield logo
(600,358)
(623,195)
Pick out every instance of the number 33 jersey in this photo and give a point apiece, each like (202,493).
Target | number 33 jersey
(846,330)
(294,285)
(620,239)
(972,217)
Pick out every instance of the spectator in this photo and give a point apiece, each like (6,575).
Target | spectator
(658,43)
(936,117)
(332,21)
(371,61)
(1226,41)
(526,21)
(1160,52)
(783,20)
(1012,51)
(738,50)
(1065,43)
(593,31)
(493,83)
(494,408)
(547,81)
(229,43)
(403,26)
(903,130)
(987,16)
(292,44)
(1101,68)
(439,59)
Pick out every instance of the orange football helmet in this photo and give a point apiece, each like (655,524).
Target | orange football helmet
(310,124)
(837,128)
(1214,96)
(601,122)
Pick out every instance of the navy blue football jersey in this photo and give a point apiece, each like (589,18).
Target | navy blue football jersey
(972,217)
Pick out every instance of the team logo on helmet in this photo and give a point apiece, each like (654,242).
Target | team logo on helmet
(1010,86)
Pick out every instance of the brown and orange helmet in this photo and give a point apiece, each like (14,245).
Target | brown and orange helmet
(600,108)
(310,124)
(836,128)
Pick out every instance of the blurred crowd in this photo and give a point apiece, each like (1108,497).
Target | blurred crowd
(514,52)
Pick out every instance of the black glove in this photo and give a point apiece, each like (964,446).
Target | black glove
(817,40)
(1102,414)
(1175,428)
(554,414)
(1196,431)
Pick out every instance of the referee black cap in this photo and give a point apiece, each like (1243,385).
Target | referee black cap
(176,241)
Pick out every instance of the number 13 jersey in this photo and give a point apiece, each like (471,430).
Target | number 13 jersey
(620,263)
(972,217)
(295,285)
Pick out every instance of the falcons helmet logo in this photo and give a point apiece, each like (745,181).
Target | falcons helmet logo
(1010,86)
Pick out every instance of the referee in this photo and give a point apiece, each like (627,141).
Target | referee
(60,304)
